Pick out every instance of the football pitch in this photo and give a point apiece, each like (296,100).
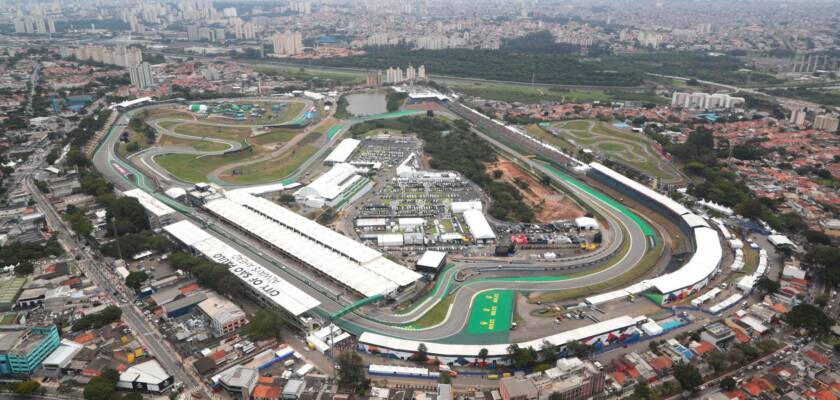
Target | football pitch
(492,311)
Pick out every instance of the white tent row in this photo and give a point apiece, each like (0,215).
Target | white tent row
(705,297)
(728,302)
(738,262)
(257,277)
(722,228)
(343,151)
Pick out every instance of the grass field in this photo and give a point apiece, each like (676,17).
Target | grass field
(219,132)
(528,94)
(435,315)
(632,150)
(194,169)
(275,168)
(135,137)
(307,73)
(492,311)
(200,145)
(275,135)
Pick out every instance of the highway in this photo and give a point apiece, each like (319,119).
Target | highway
(144,330)
(385,322)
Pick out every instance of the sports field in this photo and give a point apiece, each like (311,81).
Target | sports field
(492,311)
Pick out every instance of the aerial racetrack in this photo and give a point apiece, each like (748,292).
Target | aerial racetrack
(450,318)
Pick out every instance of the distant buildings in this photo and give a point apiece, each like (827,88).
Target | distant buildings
(828,123)
(287,43)
(34,25)
(394,75)
(797,116)
(706,101)
(141,75)
(120,56)
(570,379)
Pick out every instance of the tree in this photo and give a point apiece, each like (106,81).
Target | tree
(717,360)
(286,198)
(265,324)
(482,354)
(578,349)
(810,318)
(132,147)
(643,391)
(497,173)
(422,353)
(24,268)
(99,388)
(688,376)
(133,396)
(351,371)
(827,261)
(135,279)
(27,387)
(728,383)
(767,285)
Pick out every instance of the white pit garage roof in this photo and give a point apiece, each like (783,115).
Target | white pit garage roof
(259,278)
(187,232)
(478,225)
(360,267)
(431,259)
(150,203)
(343,151)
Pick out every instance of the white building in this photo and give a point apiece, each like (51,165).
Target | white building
(148,376)
(479,227)
(703,101)
(342,152)
(328,188)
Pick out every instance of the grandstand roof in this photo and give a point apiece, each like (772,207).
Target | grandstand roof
(666,201)
(150,203)
(702,264)
(259,278)
(495,350)
(343,151)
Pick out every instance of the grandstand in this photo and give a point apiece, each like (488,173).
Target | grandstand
(599,335)
(262,283)
(695,274)
(343,260)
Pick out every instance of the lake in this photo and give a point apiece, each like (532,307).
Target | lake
(364,104)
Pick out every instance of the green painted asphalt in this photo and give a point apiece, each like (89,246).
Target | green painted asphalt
(646,228)
(334,131)
(395,114)
(491,311)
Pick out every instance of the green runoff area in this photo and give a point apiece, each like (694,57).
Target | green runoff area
(492,311)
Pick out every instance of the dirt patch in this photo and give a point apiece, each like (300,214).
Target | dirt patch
(549,205)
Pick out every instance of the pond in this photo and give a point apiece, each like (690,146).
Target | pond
(364,104)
